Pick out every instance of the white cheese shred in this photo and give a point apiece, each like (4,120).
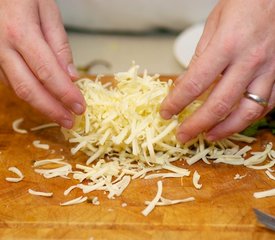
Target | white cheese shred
(95,201)
(47,125)
(270,175)
(37,193)
(39,163)
(17,172)
(75,201)
(166,202)
(197,157)
(196,178)
(153,203)
(239,177)
(38,144)
(259,157)
(16,126)
(165,175)
(264,194)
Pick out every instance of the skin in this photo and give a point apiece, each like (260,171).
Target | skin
(238,43)
(36,59)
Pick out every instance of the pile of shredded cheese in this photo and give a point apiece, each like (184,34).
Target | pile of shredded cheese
(124,122)
(122,127)
(125,138)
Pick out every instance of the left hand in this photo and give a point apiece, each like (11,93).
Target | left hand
(238,42)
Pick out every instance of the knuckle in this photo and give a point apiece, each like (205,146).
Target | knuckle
(193,88)
(227,44)
(241,84)
(14,33)
(173,106)
(64,49)
(220,109)
(43,72)
(256,57)
(23,92)
(65,95)
(250,114)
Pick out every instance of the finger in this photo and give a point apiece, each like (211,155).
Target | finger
(45,67)
(225,95)
(196,80)
(247,112)
(30,90)
(56,37)
(208,33)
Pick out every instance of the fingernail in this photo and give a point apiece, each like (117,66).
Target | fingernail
(72,71)
(67,123)
(165,114)
(183,138)
(78,108)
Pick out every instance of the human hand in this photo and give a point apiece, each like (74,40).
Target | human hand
(36,59)
(238,42)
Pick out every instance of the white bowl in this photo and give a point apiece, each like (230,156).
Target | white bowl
(185,44)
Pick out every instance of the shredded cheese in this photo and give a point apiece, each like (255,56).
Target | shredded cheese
(16,126)
(161,201)
(125,138)
(56,172)
(48,125)
(39,163)
(153,203)
(95,201)
(17,172)
(239,177)
(196,178)
(259,157)
(43,194)
(68,190)
(165,175)
(270,175)
(116,122)
(266,193)
(75,201)
(166,202)
(197,157)
(60,171)
(37,144)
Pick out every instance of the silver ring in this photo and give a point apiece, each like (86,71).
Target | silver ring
(256,99)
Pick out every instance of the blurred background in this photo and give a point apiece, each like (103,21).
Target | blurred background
(158,35)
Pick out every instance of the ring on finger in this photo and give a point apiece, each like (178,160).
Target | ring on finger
(256,98)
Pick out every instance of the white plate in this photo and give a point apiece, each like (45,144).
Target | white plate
(186,42)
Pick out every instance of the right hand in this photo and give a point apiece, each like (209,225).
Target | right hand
(36,59)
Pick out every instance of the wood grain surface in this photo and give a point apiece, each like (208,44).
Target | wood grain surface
(222,209)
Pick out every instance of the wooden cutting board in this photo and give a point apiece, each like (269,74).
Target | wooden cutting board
(222,209)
